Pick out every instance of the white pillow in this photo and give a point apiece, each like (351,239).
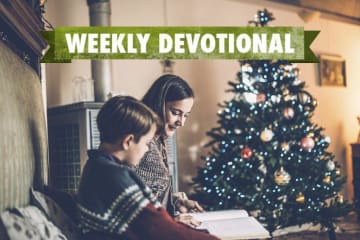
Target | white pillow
(29,223)
(55,214)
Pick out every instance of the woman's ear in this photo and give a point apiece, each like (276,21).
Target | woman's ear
(126,141)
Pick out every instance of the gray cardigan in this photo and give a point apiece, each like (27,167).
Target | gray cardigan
(154,171)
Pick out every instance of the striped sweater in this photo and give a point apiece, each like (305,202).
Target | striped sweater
(114,204)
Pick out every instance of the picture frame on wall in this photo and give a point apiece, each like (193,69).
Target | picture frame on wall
(332,70)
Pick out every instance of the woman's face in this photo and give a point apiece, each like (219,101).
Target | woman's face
(176,113)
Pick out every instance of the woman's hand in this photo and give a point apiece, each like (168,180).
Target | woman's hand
(186,206)
(187,220)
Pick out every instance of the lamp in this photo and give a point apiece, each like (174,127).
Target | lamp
(358,118)
(166,63)
(308,15)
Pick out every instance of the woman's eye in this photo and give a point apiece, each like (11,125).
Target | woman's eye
(175,113)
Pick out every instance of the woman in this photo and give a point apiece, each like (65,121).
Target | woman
(113,203)
(172,99)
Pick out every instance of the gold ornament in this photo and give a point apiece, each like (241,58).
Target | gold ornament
(287,98)
(286,91)
(326,180)
(282,177)
(310,134)
(285,146)
(300,198)
(314,103)
(339,198)
(266,135)
(337,171)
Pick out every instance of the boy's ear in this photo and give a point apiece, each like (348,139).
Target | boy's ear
(126,141)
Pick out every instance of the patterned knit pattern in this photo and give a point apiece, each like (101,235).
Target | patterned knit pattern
(121,212)
(110,209)
(154,171)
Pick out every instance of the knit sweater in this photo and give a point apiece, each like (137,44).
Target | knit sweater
(114,203)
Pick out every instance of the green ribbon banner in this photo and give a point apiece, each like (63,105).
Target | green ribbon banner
(258,43)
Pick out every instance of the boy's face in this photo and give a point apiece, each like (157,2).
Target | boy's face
(137,150)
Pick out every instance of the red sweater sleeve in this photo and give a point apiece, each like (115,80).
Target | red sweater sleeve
(157,224)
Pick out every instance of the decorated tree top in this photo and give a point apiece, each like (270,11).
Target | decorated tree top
(262,18)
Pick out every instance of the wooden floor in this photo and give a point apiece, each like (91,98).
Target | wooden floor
(349,229)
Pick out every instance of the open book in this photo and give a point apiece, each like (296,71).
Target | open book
(231,224)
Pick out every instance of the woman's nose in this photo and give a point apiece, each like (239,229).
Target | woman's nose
(180,121)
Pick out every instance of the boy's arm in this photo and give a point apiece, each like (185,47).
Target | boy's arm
(155,223)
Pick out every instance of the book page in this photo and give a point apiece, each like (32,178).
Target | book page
(236,228)
(214,215)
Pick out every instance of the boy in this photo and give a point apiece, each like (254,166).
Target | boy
(113,202)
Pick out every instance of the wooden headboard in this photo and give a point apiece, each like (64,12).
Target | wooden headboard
(23,141)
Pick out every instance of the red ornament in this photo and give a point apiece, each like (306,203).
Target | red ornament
(288,113)
(246,153)
(261,97)
(307,143)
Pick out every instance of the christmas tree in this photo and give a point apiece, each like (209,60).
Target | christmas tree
(266,155)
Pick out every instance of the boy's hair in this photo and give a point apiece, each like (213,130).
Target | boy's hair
(167,88)
(123,115)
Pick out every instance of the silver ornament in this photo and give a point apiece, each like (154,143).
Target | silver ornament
(250,97)
(330,165)
(275,98)
(263,169)
(327,139)
(237,131)
(304,98)
(296,82)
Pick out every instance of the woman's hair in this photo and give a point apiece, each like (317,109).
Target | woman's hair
(123,115)
(167,88)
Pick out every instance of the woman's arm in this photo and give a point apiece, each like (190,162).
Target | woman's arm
(185,205)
